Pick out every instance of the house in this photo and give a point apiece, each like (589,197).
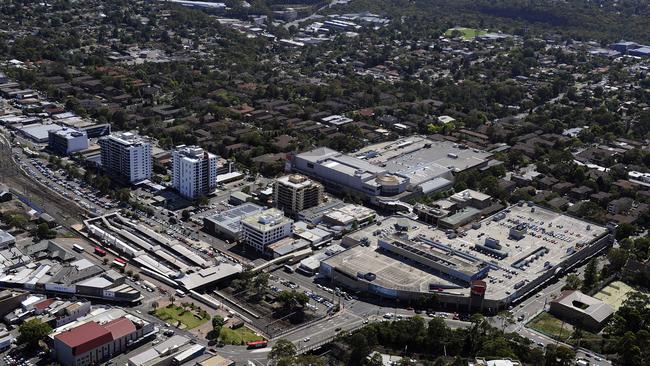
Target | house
(601,197)
(546,182)
(559,203)
(580,193)
(562,187)
(620,205)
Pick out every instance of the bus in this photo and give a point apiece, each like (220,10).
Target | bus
(118,259)
(119,264)
(100,252)
(180,293)
(257,344)
(287,268)
(78,248)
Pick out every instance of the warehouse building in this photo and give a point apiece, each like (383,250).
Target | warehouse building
(39,132)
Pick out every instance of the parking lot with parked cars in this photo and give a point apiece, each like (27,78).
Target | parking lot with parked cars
(65,185)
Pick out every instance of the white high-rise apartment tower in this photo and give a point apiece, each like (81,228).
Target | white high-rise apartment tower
(194,171)
(126,156)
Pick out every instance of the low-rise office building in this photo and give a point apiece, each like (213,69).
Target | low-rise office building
(67,140)
(264,228)
(227,224)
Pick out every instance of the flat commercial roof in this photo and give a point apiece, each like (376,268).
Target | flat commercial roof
(562,236)
(265,220)
(154,352)
(391,273)
(40,132)
(421,159)
(231,219)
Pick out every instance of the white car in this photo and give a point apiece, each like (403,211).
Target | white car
(307,339)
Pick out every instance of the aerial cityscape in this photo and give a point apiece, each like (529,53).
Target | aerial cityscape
(324,182)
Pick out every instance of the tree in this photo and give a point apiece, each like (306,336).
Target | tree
(154,305)
(123,195)
(559,355)
(573,282)
(172,299)
(202,201)
(577,334)
(217,323)
(458,362)
(283,352)
(44,232)
(32,332)
(360,348)
(185,215)
(591,275)
(625,230)
(617,258)
(309,360)
(18,221)
(506,318)
(438,332)
(292,301)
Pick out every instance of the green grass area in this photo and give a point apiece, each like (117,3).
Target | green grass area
(551,326)
(239,335)
(467,33)
(175,313)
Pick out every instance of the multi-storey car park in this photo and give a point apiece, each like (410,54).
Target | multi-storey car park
(497,261)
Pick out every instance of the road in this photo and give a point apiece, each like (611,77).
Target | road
(534,305)
(353,315)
